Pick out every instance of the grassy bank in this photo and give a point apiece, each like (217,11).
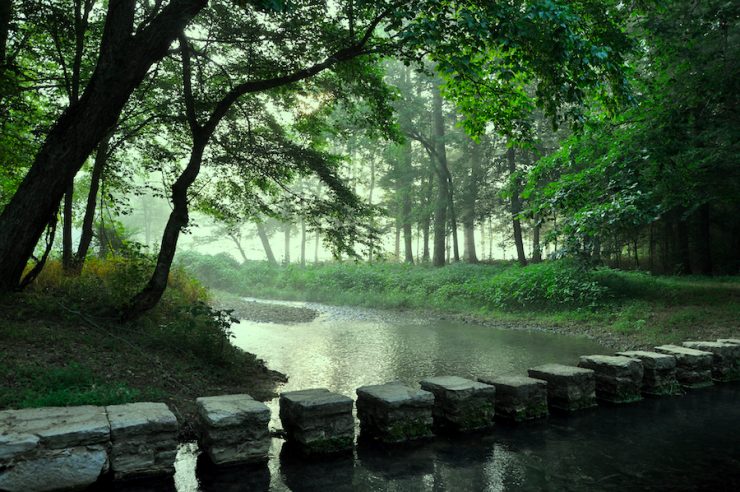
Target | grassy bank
(622,308)
(60,344)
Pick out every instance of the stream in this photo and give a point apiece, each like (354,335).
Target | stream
(681,443)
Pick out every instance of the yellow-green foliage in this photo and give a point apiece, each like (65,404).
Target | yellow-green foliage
(107,283)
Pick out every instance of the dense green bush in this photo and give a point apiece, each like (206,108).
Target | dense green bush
(503,286)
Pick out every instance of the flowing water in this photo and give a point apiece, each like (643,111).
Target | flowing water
(684,443)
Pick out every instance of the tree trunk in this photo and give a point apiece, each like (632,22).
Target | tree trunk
(67,228)
(536,250)
(406,178)
(516,207)
(316,249)
(469,201)
(443,194)
(286,233)
(123,63)
(101,157)
(684,252)
(704,240)
(426,220)
(303,241)
(265,243)
(370,201)
(397,243)
(6,14)
(152,293)
(238,244)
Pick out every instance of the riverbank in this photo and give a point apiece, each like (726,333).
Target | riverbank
(622,310)
(58,349)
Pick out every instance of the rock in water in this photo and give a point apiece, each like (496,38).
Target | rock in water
(143,439)
(234,428)
(461,404)
(618,379)
(568,388)
(317,420)
(693,367)
(519,398)
(659,372)
(394,412)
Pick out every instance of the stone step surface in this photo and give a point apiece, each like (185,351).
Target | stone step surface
(143,439)
(461,404)
(725,360)
(53,448)
(735,341)
(659,372)
(234,428)
(569,388)
(519,398)
(318,420)
(394,412)
(693,367)
(618,378)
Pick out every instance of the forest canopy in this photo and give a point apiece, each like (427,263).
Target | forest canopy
(600,130)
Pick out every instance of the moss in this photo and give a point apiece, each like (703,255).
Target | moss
(330,445)
(407,430)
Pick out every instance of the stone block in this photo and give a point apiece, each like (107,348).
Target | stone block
(568,388)
(143,439)
(461,404)
(693,367)
(725,359)
(618,378)
(659,372)
(519,398)
(736,341)
(55,448)
(317,420)
(73,468)
(234,428)
(394,412)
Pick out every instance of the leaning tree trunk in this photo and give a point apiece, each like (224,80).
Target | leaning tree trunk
(265,243)
(152,293)
(516,207)
(123,63)
(101,156)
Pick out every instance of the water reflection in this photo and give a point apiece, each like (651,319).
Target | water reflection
(686,443)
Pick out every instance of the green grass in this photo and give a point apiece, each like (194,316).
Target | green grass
(73,384)
(640,307)
(61,343)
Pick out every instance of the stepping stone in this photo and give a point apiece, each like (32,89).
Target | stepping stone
(53,448)
(519,398)
(736,341)
(234,428)
(693,367)
(725,361)
(618,379)
(318,420)
(143,439)
(461,404)
(659,372)
(394,412)
(568,388)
